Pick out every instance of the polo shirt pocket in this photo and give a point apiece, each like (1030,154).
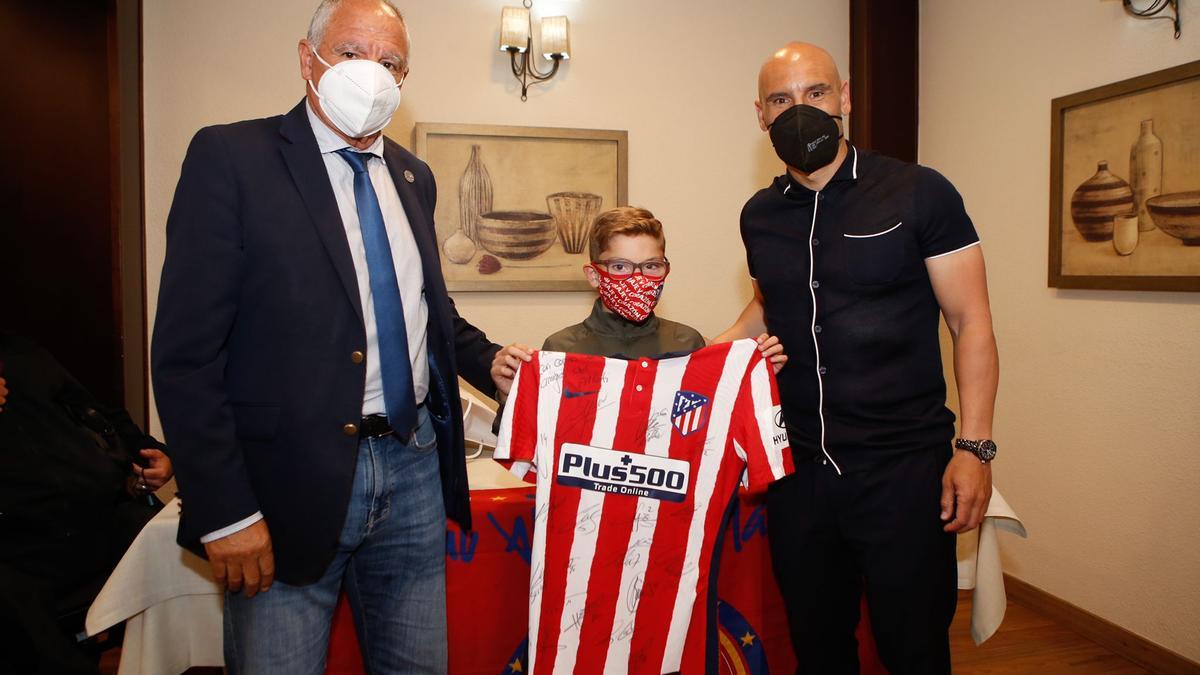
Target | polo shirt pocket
(876,256)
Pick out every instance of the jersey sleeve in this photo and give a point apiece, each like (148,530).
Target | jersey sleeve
(760,437)
(943,224)
(517,439)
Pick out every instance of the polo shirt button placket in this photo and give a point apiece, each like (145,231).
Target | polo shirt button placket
(638,388)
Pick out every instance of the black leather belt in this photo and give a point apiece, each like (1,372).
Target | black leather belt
(377,426)
(374,426)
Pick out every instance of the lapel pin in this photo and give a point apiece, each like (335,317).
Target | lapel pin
(408,176)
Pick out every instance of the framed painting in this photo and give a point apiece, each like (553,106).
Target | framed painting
(516,204)
(1125,184)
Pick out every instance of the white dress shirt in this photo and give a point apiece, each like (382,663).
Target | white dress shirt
(405,256)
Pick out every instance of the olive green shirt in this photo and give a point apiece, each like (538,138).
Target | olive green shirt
(606,334)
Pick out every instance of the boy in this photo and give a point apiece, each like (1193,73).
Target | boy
(630,498)
(628,269)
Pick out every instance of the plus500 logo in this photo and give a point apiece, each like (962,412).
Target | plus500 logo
(612,471)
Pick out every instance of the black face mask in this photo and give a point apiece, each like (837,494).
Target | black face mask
(805,138)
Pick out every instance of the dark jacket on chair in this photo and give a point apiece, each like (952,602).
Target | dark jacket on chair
(66,515)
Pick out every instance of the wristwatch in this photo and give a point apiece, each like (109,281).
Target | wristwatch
(984,449)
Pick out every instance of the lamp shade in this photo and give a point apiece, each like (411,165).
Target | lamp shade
(514,29)
(556,37)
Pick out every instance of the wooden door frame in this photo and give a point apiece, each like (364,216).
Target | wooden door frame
(128,210)
(884,69)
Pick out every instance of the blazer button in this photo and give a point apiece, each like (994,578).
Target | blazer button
(357,357)
(350,429)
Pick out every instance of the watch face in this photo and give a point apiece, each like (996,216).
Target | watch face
(987,451)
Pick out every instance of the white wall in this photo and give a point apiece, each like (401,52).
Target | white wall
(1098,419)
(679,75)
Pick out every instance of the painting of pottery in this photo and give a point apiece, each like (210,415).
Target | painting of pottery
(516,235)
(458,248)
(526,198)
(1145,172)
(1135,225)
(573,215)
(1097,201)
(474,194)
(1177,214)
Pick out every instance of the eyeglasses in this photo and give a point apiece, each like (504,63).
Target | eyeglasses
(619,268)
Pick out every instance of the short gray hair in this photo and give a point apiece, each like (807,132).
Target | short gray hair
(320,21)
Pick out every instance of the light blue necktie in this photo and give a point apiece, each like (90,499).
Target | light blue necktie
(394,362)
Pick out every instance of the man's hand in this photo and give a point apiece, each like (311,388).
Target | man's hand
(244,560)
(504,365)
(966,491)
(3,393)
(772,351)
(157,474)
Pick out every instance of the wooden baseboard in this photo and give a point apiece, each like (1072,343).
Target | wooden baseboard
(1154,657)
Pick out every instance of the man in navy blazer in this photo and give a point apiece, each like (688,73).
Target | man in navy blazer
(267,372)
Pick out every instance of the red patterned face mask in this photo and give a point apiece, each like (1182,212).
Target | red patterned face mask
(632,298)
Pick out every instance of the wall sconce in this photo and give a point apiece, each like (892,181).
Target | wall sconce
(516,38)
(1155,8)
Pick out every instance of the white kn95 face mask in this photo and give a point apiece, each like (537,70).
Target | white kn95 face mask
(358,95)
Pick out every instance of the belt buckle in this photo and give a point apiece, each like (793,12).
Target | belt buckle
(369,424)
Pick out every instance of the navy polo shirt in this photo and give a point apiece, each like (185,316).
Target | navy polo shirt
(844,285)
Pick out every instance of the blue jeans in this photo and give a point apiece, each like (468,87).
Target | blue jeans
(391,561)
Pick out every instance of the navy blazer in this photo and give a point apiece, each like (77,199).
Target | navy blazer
(258,315)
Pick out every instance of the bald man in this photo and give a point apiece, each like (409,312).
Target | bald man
(854,258)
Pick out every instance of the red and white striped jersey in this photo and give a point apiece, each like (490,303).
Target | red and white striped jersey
(636,464)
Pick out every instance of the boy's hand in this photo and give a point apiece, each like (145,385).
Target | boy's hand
(3,393)
(772,351)
(504,365)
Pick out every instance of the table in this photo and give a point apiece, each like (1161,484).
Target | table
(172,608)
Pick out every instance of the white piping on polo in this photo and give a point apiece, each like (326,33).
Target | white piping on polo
(877,234)
(812,231)
(963,248)
(854,167)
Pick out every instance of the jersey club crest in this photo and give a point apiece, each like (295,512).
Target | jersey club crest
(689,412)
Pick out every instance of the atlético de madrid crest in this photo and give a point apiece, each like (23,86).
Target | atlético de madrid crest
(689,412)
